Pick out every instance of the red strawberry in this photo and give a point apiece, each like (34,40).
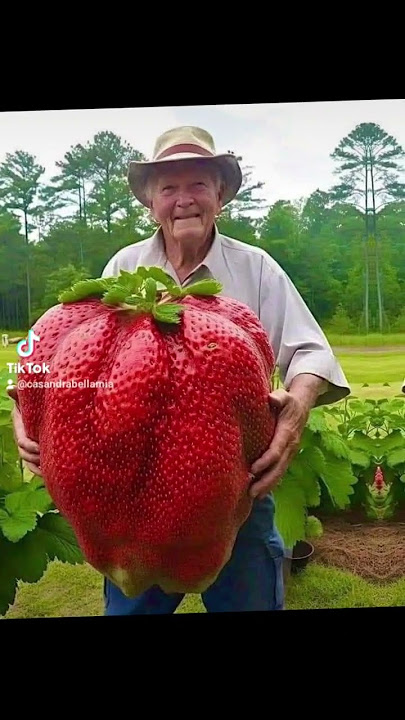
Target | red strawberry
(379,479)
(152,473)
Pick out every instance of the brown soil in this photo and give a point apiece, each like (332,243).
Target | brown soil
(374,551)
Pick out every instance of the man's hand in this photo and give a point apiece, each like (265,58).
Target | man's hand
(293,408)
(28,449)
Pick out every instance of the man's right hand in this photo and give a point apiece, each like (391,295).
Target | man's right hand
(28,449)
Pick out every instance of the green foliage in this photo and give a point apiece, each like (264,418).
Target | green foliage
(319,240)
(321,464)
(32,532)
(334,470)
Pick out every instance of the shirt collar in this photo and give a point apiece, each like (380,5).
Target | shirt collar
(153,253)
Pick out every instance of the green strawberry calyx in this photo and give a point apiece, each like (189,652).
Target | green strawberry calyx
(147,290)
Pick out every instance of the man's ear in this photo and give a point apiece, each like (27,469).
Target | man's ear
(151,210)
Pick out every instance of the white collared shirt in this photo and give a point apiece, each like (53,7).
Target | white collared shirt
(249,274)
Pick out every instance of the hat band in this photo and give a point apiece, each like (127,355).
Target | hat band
(174,149)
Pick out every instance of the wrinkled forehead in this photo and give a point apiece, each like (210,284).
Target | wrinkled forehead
(185,170)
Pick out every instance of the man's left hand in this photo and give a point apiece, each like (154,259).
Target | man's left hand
(293,408)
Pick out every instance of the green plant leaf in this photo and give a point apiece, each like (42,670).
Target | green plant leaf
(358,406)
(395,404)
(290,511)
(15,526)
(316,421)
(396,421)
(359,457)
(115,295)
(202,287)
(306,478)
(56,537)
(339,479)
(392,441)
(27,559)
(150,290)
(164,278)
(396,457)
(22,508)
(28,498)
(361,441)
(315,459)
(85,288)
(313,527)
(10,477)
(308,438)
(168,313)
(131,280)
(335,445)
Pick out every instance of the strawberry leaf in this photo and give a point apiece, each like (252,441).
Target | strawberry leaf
(316,421)
(396,457)
(164,279)
(10,477)
(359,457)
(85,288)
(15,526)
(150,290)
(362,442)
(203,287)
(338,478)
(27,560)
(334,444)
(132,281)
(290,511)
(167,313)
(392,441)
(115,295)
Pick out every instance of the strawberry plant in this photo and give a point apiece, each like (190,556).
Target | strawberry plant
(32,531)
(322,466)
(374,431)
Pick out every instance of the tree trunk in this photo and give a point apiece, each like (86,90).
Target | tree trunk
(27,267)
(84,203)
(79,187)
(366,260)
(377,264)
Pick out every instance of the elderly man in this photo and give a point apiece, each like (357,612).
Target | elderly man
(185,187)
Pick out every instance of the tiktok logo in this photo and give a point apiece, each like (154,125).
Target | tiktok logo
(29,343)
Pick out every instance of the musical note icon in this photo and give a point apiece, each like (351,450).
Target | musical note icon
(29,343)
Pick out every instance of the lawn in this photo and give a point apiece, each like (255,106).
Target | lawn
(74,591)
(66,591)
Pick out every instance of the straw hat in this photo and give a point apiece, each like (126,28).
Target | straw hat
(186,143)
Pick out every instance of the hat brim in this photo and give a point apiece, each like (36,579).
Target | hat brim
(227,164)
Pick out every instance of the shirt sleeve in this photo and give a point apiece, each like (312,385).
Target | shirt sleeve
(299,344)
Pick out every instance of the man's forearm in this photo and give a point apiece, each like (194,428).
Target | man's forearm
(306,388)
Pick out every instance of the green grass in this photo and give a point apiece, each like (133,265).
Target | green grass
(371,340)
(77,591)
(374,368)
(320,587)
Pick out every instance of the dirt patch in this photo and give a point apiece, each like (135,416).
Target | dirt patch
(376,552)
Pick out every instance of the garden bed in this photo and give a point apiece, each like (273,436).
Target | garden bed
(375,552)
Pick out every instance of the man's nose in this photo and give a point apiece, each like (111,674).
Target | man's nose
(184,198)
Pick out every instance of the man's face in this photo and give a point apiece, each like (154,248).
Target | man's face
(185,201)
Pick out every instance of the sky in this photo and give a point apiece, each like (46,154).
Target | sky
(288,145)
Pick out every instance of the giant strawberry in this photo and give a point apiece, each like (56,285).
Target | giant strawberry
(153,410)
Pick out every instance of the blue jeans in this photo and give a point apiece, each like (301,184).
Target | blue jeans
(252,579)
